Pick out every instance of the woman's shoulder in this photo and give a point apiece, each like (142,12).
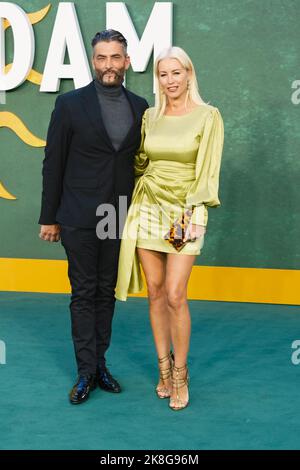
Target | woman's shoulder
(148,116)
(209,108)
(149,112)
(210,112)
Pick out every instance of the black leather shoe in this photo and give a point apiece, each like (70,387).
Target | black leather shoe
(81,390)
(106,381)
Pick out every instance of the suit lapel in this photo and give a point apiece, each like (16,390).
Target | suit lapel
(93,110)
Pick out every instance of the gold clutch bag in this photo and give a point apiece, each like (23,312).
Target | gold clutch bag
(178,230)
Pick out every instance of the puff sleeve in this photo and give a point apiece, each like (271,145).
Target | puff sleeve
(204,190)
(141,160)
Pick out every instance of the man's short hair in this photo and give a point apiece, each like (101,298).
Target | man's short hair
(109,35)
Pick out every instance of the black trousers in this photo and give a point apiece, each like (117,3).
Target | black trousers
(92,270)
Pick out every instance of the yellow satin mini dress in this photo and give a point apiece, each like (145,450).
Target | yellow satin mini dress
(177,166)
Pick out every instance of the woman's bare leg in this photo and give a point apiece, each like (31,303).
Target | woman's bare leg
(178,270)
(154,267)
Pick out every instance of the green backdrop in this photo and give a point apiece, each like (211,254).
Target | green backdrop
(247,56)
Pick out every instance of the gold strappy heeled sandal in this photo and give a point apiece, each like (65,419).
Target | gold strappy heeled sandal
(178,382)
(165,374)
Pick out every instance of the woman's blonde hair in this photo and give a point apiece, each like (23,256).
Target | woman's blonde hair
(193,89)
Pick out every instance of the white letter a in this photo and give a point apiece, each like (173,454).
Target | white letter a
(66,35)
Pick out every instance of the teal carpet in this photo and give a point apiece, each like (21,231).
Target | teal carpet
(244,388)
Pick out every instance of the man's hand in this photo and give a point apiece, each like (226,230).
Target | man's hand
(50,233)
(194,231)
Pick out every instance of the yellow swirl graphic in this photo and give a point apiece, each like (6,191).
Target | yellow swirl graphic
(33,76)
(33,17)
(14,123)
(4,194)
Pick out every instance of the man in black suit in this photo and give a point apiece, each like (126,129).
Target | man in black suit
(92,138)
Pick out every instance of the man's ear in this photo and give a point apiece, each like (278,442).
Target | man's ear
(127,65)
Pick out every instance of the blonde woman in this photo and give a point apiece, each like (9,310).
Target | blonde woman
(177,167)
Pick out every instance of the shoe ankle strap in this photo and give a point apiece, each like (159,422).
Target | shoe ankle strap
(165,358)
(179,383)
(179,369)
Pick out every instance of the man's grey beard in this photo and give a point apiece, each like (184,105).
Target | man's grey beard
(118,81)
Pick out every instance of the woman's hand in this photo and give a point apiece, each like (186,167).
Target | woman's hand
(194,231)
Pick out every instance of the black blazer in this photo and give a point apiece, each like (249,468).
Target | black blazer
(81,168)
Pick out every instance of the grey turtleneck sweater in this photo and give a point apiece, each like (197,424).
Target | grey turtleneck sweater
(116,112)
